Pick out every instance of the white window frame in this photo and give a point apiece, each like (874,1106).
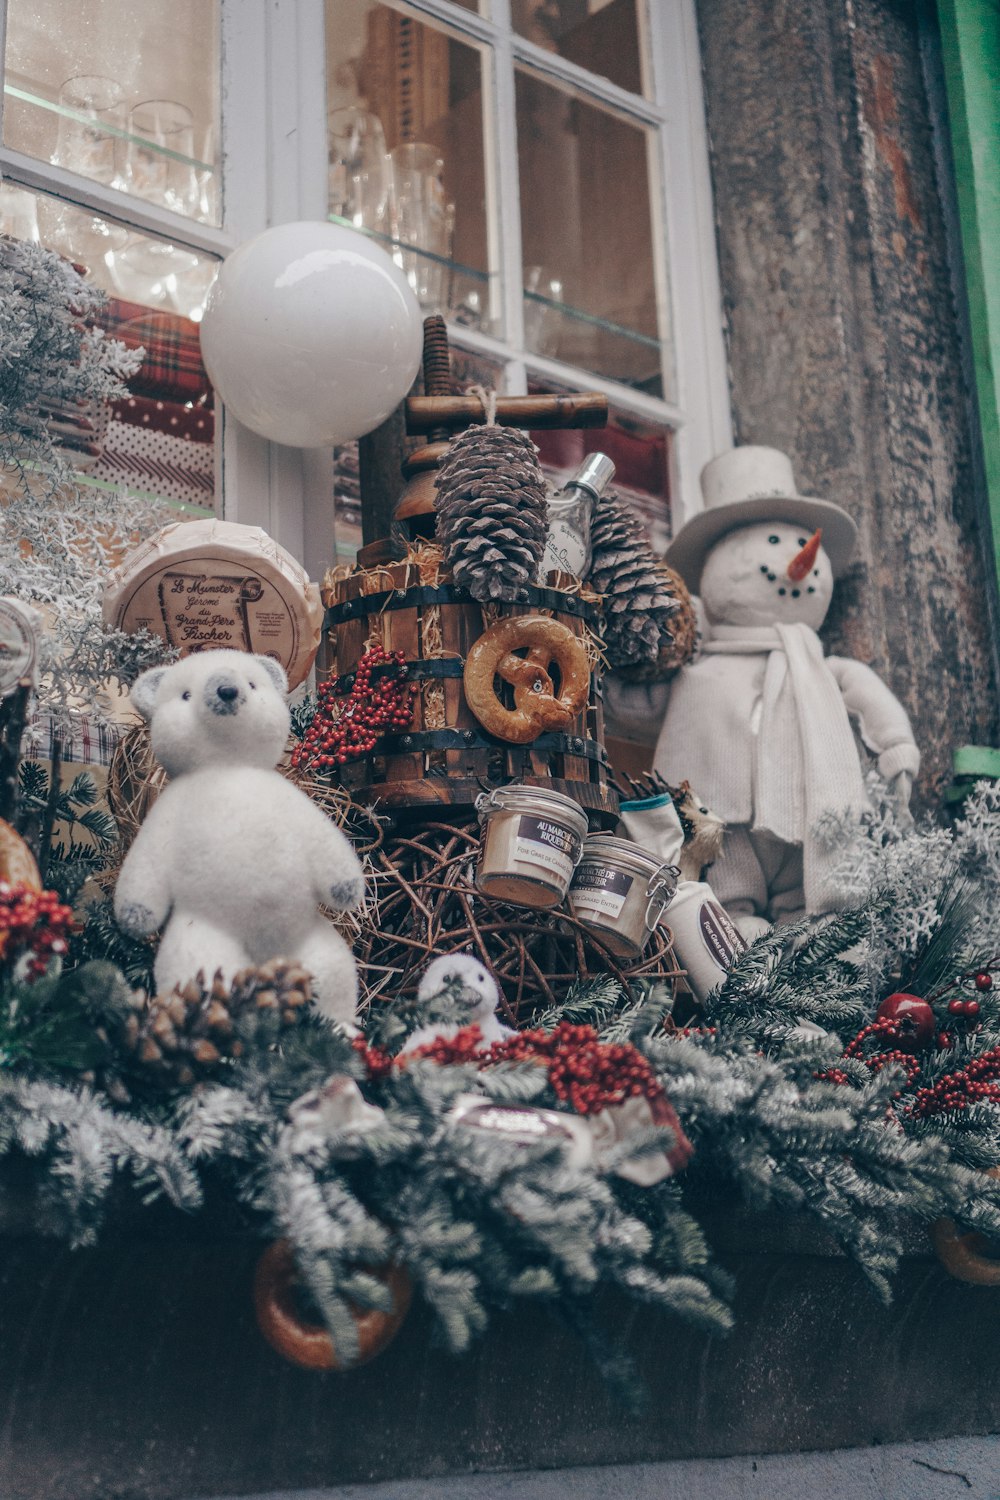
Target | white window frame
(273,170)
(682,214)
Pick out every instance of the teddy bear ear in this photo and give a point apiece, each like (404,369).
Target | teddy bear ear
(275,671)
(145,689)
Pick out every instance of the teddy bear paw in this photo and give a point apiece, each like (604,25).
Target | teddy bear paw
(346,894)
(136,919)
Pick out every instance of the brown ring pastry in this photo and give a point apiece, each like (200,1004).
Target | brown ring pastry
(960,1253)
(309,1344)
(538,709)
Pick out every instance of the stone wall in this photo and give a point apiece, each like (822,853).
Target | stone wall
(832,201)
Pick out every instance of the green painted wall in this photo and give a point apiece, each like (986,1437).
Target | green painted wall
(970,32)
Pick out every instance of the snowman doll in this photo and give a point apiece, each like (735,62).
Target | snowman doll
(761,721)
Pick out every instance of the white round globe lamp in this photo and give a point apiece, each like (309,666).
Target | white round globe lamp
(311,335)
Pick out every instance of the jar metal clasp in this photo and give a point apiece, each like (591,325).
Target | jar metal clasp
(660,892)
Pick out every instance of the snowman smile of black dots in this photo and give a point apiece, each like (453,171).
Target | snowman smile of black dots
(768,573)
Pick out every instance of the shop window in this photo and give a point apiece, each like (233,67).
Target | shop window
(125,101)
(514,164)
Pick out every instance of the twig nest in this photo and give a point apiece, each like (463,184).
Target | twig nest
(426,906)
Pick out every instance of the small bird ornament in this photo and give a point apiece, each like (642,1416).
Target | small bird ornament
(457,980)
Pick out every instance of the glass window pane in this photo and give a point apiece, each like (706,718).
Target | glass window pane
(406,153)
(641,454)
(599,35)
(590,286)
(159,440)
(125,94)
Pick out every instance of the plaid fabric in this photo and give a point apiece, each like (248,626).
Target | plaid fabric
(172,367)
(89,745)
(195,424)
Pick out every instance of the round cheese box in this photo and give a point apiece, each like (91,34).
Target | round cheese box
(216,585)
(20,626)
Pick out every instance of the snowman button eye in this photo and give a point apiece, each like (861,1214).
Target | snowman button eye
(774,540)
(186,694)
(802,541)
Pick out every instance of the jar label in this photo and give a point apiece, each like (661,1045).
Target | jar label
(548,845)
(600,890)
(723,940)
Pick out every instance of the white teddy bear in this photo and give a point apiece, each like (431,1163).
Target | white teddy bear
(232,857)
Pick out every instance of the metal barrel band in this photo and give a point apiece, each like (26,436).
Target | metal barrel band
(474,739)
(449,593)
(420,668)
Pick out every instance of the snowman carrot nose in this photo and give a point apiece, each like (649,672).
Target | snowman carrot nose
(803,561)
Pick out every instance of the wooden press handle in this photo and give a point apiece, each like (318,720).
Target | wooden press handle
(588,409)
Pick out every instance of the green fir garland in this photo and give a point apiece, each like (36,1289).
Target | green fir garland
(778,1117)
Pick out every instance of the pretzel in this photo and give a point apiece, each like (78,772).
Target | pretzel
(309,1344)
(537,710)
(960,1253)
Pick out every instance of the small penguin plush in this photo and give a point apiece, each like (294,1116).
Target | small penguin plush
(761,721)
(461,978)
(233,861)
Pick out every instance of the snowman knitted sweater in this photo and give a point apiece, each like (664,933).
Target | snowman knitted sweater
(760,723)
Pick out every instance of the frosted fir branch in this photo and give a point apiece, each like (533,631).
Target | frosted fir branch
(64,576)
(51,356)
(87,1147)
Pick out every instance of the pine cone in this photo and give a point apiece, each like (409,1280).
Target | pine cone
(491,514)
(681,640)
(181,1037)
(639,600)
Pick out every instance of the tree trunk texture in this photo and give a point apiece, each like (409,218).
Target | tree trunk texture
(844,335)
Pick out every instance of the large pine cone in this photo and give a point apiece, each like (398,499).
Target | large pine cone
(639,601)
(681,641)
(491,512)
(178,1038)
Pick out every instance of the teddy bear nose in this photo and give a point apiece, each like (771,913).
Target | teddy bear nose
(227,692)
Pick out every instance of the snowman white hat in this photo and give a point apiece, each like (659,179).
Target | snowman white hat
(755,484)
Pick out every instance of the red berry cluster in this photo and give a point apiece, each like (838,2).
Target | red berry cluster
(965,1010)
(464,1047)
(33,922)
(977,1083)
(341,733)
(584,1072)
(832,1075)
(378,1063)
(883,1031)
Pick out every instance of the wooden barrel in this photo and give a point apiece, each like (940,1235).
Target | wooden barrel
(446,757)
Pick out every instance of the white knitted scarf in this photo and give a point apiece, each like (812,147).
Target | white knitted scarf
(806,758)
